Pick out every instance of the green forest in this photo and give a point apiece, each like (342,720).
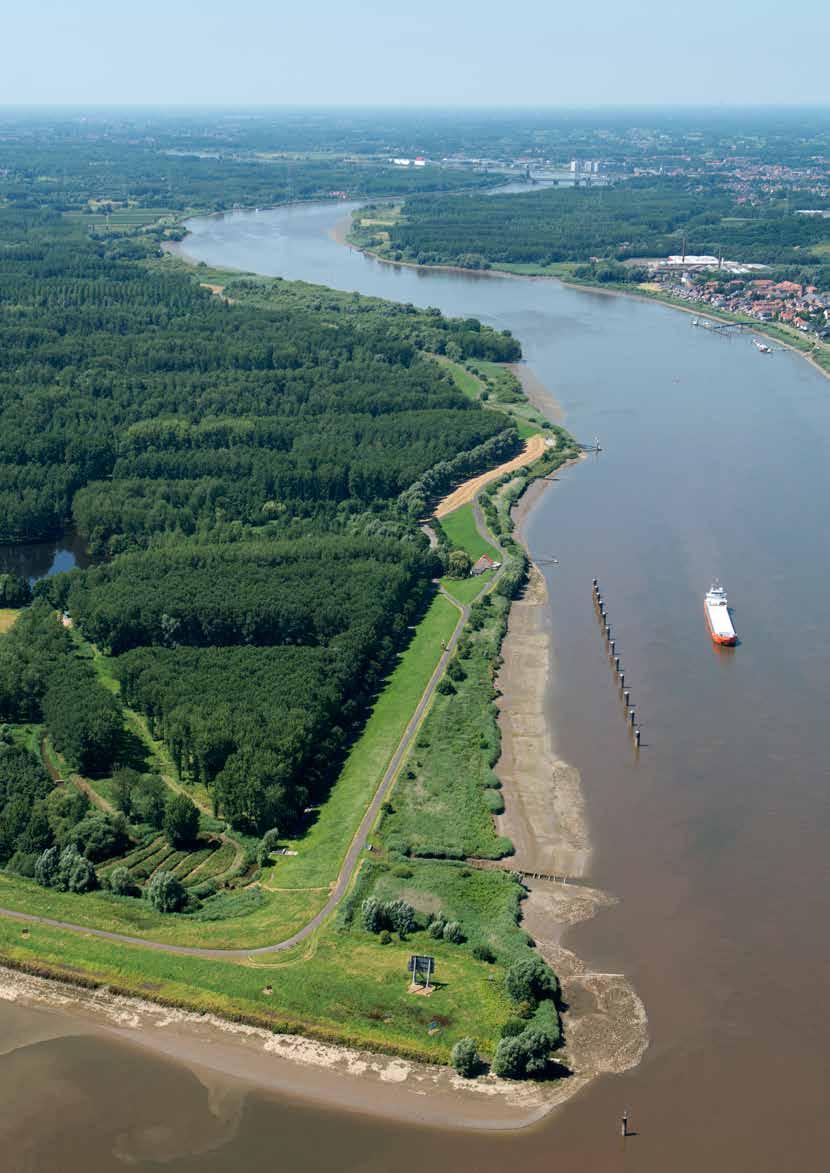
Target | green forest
(246,466)
(638,218)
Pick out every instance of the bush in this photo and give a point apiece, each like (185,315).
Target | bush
(81,876)
(121,882)
(512,1028)
(181,821)
(446,686)
(509,1059)
(436,927)
(46,867)
(493,801)
(372,915)
(400,916)
(483,953)
(452,932)
(455,670)
(459,564)
(385,937)
(531,980)
(402,872)
(100,836)
(464,1058)
(166,893)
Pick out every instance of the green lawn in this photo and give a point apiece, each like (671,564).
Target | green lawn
(466,382)
(443,799)
(466,589)
(343,985)
(460,528)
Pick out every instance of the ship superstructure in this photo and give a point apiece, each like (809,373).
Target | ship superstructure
(716,610)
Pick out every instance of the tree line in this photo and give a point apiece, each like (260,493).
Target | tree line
(638,218)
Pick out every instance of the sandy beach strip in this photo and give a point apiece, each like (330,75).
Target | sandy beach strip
(289,1065)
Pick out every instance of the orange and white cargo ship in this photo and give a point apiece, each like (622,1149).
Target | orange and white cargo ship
(716,609)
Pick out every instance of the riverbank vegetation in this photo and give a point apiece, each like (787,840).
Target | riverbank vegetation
(647,217)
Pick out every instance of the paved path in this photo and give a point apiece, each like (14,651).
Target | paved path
(349,865)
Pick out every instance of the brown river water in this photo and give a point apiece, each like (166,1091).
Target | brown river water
(715,838)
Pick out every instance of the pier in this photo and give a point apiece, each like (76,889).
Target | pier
(616,663)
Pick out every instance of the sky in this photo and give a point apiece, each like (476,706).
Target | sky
(415,53)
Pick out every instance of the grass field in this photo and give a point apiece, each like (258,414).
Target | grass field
(504,393)
(120,217)
(465,381)
(8,617)
(460,528)
(465,590)
(446,792)
(344,987)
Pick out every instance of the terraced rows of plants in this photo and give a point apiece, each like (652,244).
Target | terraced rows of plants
(206,862)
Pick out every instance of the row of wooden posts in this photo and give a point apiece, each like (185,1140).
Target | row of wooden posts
(605,623)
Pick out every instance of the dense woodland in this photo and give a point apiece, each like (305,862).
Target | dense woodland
(253,469)
(69,171)
(638,218)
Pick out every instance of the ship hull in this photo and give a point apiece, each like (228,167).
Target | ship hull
(724,640)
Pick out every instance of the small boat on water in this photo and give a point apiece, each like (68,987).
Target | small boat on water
(716,610)
(762,346)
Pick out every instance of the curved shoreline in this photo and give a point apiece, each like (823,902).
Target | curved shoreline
(615,291)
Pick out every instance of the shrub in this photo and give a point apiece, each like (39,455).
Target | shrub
(446,686)
(402,871)
(464,1057)
(181,821)
(455,670)
(512,1028)
(483,953)
(81,876)
(459,564)
(531,980)
(537,1045)
(371,914)
(452,932)
(493,801)
(400,916)
(46,867)
(509,1059)
(166,893)
(121,882)
(436,927)
(385,937)
(100,836)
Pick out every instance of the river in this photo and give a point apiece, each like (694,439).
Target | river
(714,838)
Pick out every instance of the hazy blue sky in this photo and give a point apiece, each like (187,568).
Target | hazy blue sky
(421,52)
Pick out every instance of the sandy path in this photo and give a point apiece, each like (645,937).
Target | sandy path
(533,449)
